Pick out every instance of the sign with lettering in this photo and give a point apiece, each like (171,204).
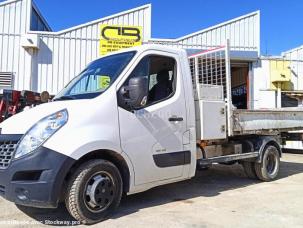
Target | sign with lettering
(116,37)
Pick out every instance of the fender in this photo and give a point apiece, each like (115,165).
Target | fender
(268,140)
(105,145)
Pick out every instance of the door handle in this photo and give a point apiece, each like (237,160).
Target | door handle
(175,119)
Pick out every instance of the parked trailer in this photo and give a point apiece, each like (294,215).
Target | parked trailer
(133,120)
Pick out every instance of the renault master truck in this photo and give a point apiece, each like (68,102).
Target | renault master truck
(132,120)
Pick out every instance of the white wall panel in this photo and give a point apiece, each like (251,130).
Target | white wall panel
(296,58)
(243,32)
(68,52)
(61,55)
(64,54)
(263,97)
(14,17)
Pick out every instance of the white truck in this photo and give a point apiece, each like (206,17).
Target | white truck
(133,120)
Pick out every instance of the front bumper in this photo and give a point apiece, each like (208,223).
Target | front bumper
(35,180)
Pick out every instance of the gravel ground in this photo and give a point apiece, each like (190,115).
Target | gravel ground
(219,197)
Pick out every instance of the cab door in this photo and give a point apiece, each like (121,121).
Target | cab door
(152,136)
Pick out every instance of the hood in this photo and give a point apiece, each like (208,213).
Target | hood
(23,121)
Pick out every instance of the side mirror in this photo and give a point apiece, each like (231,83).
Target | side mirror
(134,96)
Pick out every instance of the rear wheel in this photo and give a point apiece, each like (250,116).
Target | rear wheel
(94,191)
(269,167)
(249,168)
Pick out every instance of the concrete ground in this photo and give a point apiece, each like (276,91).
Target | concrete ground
(219,197)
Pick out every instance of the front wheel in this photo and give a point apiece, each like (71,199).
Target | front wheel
(94,191)
(269,167)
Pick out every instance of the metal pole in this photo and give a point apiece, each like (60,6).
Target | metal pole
(196,62)
(228,89)
(279,96)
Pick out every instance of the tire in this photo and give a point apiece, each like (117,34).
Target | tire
(269,167)
(249,168)
(94,191)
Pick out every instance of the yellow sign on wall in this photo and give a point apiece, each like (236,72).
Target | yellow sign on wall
(280,74)
(116,37)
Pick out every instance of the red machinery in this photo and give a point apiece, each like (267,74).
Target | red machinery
(14,101)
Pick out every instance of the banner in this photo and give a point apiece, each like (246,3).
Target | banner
(116,37)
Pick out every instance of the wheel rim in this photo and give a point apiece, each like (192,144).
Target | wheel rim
(99,192)
(271,163)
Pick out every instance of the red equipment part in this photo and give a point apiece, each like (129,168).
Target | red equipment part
(9,104)
(14,101)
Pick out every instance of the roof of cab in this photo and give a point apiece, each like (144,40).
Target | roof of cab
(145,47)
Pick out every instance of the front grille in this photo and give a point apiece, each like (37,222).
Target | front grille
(7,150)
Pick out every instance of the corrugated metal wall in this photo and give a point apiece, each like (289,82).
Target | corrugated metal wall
(295,56)
(296,63)
(243,32)
(61,55)
(64,54)
(14,21)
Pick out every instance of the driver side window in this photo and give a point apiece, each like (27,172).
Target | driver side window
(161,74)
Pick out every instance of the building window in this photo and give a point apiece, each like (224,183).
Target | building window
(287,101)
(37,23)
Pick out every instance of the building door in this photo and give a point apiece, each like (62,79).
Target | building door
(239,84)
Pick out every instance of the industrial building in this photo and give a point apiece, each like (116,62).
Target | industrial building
(39,59)
(33,57)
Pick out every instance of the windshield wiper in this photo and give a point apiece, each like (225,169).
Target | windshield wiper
(65,98)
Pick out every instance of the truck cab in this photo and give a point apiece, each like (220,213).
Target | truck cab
(124,125)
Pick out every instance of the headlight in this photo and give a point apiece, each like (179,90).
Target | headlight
(40,132)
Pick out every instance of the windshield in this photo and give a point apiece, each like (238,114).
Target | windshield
(96,78)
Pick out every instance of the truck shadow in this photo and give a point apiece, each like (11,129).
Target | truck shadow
(207,183)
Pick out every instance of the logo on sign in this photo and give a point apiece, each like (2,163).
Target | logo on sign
(115,37)
(123,32)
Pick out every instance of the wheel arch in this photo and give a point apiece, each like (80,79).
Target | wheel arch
(268,141)
(112,156)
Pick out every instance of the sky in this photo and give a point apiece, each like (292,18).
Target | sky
(281,21)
